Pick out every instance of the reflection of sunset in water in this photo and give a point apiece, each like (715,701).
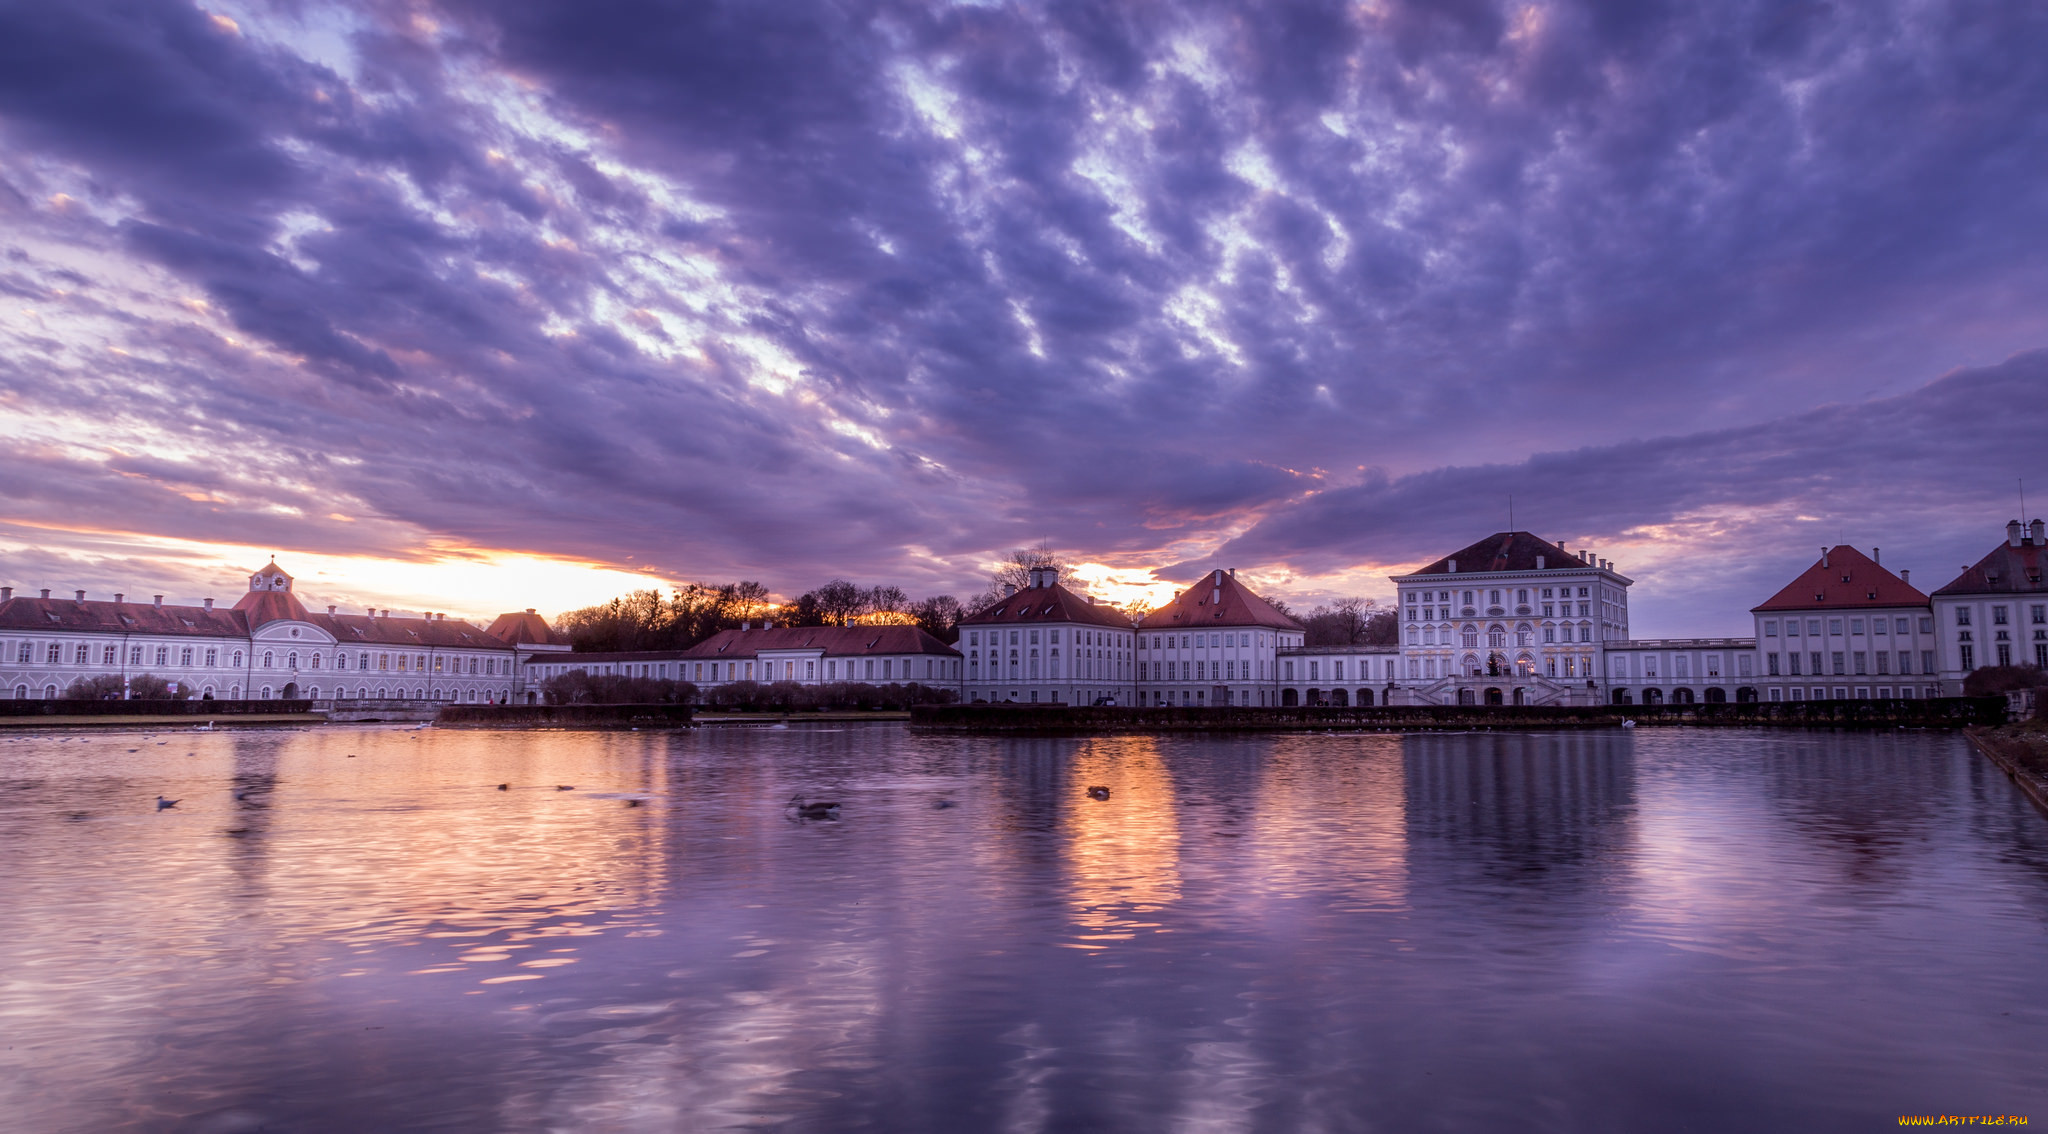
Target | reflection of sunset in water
(1123,853)
(1284,932)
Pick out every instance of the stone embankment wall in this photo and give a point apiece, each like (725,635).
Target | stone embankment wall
(2021,752)
(564,716)
(65,708)
(1950,712)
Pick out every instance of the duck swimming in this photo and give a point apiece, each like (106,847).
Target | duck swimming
(823,810)
(1098,792)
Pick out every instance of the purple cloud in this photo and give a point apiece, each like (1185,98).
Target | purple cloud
(878,289)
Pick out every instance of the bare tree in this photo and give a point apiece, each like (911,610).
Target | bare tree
(1015,573)
(839,602)
(1348,621)
(939,616)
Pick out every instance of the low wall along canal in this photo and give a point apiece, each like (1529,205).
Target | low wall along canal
(1948,712)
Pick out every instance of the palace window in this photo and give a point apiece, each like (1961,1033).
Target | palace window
(185,656)
(212,657)
(163,655)
(108,655)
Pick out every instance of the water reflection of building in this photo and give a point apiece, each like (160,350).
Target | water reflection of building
(1487,809)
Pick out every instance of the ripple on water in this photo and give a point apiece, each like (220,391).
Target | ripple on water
(1482,931)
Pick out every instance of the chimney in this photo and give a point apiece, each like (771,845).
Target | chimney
(1233,572)
(529,610)
(6,594)
(1906,577)
(1219,577)
(1877,556)
(46,592)
(745,626)
(1454,566)
(80,595)
(159,601)
(1823,556)
(2040,532)
(209,605)
(767,624)
(385,614)
(1009,589)
(1539,563)
(2012,534)
(372,612)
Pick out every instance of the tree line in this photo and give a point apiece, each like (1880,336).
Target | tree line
(677,620)
(652,620)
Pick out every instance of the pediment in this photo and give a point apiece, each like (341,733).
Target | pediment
(290,630)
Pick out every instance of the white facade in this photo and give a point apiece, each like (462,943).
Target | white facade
(267,647)
(1510,620)
(1215,644)
(1824,655)
(1045,644)
(1996,612)
(1681,671)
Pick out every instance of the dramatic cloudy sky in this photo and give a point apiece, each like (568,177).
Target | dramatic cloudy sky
(488,303)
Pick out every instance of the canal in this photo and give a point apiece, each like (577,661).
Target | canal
(348,929)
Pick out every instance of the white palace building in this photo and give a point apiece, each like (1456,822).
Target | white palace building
(268,645)
(1511,620)
(1515,619)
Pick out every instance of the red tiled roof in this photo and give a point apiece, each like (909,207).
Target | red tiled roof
(1506,551)
(835,641)
(1843,578)
(525,628)
(2007,570)
(120,617)
(1218,600)
(1050,603)
(440,633)
(604,658)
(270,606)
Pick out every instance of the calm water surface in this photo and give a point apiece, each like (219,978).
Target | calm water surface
(1667,930)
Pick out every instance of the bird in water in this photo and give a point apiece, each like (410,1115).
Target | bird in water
(942,804)
(1098,792)
(565,787)
(813,810)
(162,803)
(504,787)
(632,803)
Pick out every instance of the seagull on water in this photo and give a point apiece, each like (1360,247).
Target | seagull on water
(1098,792)
(162,803)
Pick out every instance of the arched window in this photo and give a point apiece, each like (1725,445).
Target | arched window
(315,659)
(21,692)
(1471,637)
(266,693)
(314,692)
(1496,637)
(238,661)
(291,660)
(266,663)
(1472,664)
(49,692)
